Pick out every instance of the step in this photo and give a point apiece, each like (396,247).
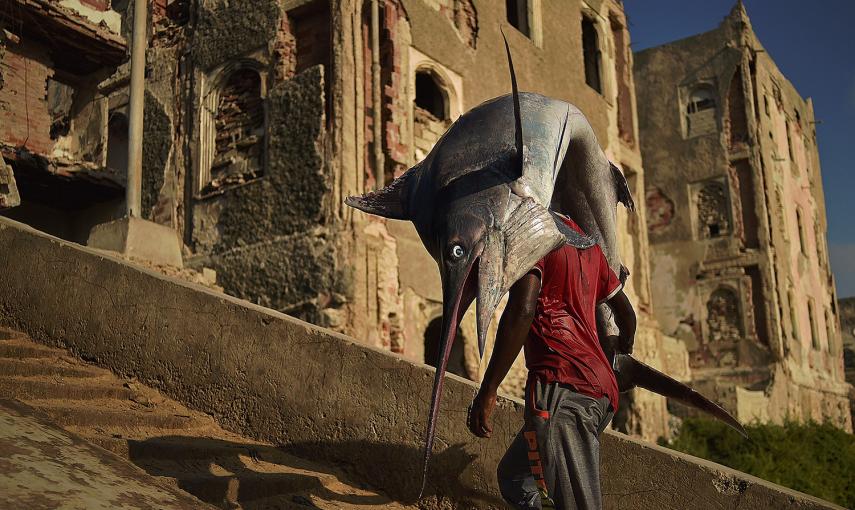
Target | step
(97,416)
(20,349)
(10,334)
(245,486)
(182,448)
(35,367)
(30,388)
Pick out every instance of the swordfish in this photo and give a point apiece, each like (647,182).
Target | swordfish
(485,202)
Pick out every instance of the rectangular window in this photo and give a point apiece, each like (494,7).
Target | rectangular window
(591,54)
(623,73)
(518,15)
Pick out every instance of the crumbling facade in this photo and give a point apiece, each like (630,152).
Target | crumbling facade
(261,116)
(55,58)
(737,226)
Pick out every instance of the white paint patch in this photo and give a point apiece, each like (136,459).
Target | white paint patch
(110,18)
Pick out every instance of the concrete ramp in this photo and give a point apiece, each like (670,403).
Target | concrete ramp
(324,396)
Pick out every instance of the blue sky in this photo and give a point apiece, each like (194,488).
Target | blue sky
(813,44)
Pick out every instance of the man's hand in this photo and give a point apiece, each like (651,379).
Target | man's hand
(625,320)
(480,413)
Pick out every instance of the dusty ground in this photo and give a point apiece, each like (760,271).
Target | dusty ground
(184,447)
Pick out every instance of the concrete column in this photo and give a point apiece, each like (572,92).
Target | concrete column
(377,109)
(135,117)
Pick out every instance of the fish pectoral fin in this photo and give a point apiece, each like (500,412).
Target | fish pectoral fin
(624,196)
(571,236)
(389,202)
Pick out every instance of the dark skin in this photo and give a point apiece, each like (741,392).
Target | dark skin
(511,336)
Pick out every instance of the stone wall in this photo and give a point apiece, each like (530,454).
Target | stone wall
(312,391)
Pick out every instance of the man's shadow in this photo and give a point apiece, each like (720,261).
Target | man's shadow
(223,473)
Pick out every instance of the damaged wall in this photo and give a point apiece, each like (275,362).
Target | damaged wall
(269,240)
(53,116)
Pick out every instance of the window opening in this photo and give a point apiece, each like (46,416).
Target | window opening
(591,54)
(518,15)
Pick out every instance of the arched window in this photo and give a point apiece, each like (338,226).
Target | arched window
(723,316)
(456,360)
(239,125)
(429,95)
(591,54)
(713,211)
(701,111)
(117,143)
(232,128)
(431,111)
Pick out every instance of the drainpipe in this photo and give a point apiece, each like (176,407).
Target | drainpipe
(377,108)
(135,117)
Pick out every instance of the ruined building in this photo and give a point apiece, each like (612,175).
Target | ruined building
(261,116)
(736,222)
(56,118)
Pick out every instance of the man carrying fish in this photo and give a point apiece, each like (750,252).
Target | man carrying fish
(481,202)
(572,393)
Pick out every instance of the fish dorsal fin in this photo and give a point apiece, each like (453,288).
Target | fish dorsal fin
(518,133)
(390,202)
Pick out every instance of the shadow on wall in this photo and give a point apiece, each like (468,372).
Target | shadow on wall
(456,359)
(225,473)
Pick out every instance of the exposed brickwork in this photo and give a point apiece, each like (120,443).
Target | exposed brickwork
(426,131)
(23,98)
(660,209)
(284,52)
(394,112)
(240,130)
(712,210)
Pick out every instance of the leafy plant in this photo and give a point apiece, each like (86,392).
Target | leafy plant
(817,459)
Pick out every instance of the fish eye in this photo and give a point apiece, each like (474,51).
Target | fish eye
(456,251)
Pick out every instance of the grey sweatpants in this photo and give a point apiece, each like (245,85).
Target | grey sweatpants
(554,462)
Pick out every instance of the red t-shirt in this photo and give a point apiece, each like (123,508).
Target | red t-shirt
(562,344)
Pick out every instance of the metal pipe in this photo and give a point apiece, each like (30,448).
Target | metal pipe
(135,113)
(377,107)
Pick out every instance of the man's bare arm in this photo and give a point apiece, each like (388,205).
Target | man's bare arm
(625,321)
(510,337)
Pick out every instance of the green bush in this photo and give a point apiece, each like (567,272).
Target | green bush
(815,459)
